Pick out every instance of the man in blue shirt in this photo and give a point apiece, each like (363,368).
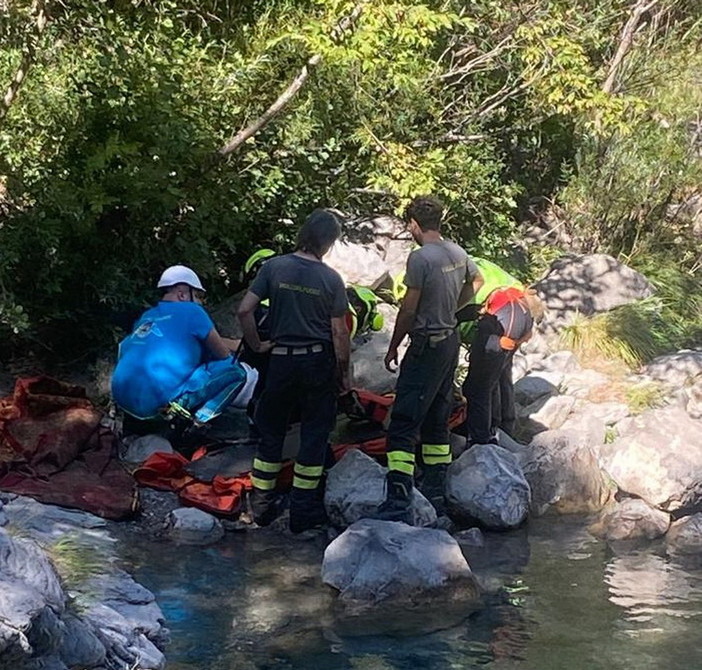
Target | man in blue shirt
(174,354)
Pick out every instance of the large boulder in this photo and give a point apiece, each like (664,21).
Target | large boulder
(658,457)
(564,475)
(357,263)
(586,285)
(390,563)
(368,355)
(632,519)
(356,488)
(684,539)
(486,485)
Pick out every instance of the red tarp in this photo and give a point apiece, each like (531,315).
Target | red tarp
(53,448)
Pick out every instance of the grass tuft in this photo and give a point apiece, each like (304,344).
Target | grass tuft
(629,334)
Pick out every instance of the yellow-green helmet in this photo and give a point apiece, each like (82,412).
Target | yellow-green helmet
(372,319)
(254,262)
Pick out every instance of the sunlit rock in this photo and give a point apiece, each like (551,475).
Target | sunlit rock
(386,562)
(658,457)
(632,519)
(586,285)
(486,484)
(563,472)
(356,488)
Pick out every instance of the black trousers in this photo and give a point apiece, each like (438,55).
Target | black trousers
(488,386)
(424,395)
(304,383)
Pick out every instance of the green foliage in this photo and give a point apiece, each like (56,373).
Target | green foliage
(108,167)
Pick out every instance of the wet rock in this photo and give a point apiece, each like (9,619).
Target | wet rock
(124,644)
(658,457)
(189,525)
(586,285)
(632,519)
(684,539)
(564,475)
(50,522)
(537,385)
(31,602)
(356,488)
(137,450)
(486,485)
(375,562)
(80,648)
(498,558)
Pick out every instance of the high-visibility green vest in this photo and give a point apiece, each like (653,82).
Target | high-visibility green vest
(494,277)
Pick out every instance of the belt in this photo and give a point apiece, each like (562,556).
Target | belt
(297,351)
(434,337)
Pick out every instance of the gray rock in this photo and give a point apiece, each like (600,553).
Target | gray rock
(357,264)
(380,561)
(676,369)
(693,404)
(564,475)
(368,368)
(548,413)
(189,525)
(632,519)
(685,537)
(23,561)
(80,648)
(658,457)
(587,285)
(137,450)
(356,488)
(560,361)
(486,484)
(50,522)
(591,429)
(582,383)
(124,643)
(537,385)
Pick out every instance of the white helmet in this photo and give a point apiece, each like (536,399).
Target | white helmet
(179,274)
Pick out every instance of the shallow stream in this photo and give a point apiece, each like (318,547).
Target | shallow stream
(555,599)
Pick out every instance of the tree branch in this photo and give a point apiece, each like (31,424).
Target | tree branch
(39,10)
(626,40)
(290,92)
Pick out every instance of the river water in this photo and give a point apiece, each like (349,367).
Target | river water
(554,598)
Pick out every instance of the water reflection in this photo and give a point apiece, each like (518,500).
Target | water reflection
(554,598)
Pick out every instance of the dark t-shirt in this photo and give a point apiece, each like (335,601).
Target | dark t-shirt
(439,270)
(304,295)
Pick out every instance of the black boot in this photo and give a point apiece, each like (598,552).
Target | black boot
(306,510)
(397,498)
(432,486)
(266,506)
